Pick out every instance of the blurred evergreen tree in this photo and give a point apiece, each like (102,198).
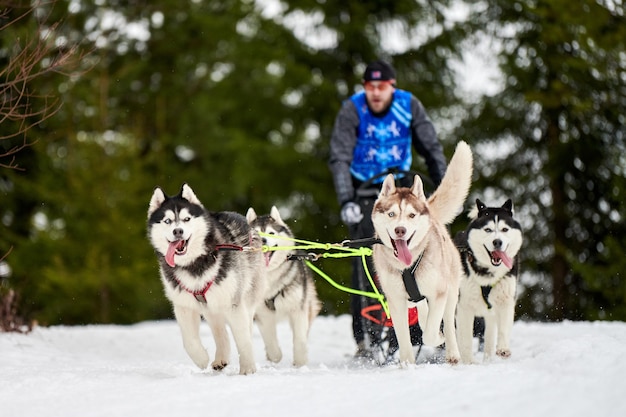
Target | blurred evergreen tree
(237,102)
(553,140)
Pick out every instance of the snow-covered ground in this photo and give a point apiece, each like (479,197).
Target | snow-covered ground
(560,369)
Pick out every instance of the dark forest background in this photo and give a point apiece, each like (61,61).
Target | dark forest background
(102,101)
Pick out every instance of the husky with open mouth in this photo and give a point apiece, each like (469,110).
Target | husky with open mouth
(211,266)
(417,261)
(489,250)
(291,292)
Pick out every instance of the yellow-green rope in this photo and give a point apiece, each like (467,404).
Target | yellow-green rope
(346,252)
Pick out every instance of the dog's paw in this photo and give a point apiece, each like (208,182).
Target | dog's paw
(247,369)
(469,361)
(219,365)
(300,360)
(406,359)
(274,355)
(200,358)
(453,360)
(433,340)
(504,353)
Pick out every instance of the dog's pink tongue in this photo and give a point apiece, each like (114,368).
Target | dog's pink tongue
(267,257)
(171,251)
(498,254)
(402,252)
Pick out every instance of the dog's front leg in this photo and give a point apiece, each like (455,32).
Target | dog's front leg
(398,308)
(222,340)
(189,323)
(422,314)
(505,324)
(505,315)
(436,306)
(299,322)
(266,320)
(240,321)
(449,328)
(465,330)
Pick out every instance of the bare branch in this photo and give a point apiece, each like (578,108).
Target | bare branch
(6,254)
(29,60)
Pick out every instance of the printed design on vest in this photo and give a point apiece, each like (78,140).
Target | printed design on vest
(384,133)
(382,142)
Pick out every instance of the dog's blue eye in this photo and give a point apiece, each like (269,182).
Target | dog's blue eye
(391,214)
(488,230)
(412,215)
(505,229)
(186,219)
(167,221)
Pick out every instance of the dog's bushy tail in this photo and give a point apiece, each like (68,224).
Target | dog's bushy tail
(447,201)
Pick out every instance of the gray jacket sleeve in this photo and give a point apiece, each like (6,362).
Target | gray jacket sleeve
(426,143)
(342,143)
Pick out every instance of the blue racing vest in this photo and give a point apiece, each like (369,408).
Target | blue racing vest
(382,142)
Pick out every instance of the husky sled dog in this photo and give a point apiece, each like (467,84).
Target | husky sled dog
(489,248)
(290,292)
(202,278)
(417,261)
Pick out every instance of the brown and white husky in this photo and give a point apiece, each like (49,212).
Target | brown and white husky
(417,261)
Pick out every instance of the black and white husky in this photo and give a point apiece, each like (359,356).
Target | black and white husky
(489,252)
(204,277)
(290,292)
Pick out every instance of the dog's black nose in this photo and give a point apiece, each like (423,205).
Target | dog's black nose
(400,232)
(497,244)
(178,233)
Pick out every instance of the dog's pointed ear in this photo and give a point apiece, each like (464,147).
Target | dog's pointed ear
(275,214)
(418,187)
(508,206)
(477,211)
(158,198)
(187,193)
(251,215)
(389,186)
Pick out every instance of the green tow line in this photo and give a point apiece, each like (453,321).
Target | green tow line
(341,251)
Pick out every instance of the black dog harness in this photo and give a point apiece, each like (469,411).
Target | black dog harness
(408,274)
(410,283)
(484,289)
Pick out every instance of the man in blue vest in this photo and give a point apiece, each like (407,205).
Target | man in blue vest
(375,132)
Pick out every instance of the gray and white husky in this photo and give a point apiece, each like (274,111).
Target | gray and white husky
(417,261)
(489,252)
(290,293)
(203,278)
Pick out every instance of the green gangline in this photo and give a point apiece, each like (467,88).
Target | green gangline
(347,252)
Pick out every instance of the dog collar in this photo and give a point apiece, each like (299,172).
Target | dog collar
(199,295)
